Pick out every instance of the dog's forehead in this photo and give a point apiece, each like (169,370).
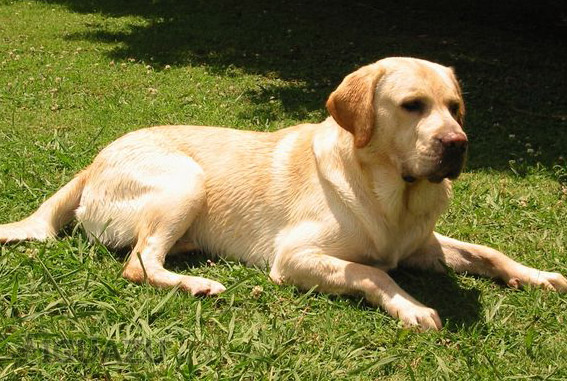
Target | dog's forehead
(419,76)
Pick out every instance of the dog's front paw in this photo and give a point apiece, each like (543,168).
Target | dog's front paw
(417,315)
(201,286)
(547,280)
(424,318)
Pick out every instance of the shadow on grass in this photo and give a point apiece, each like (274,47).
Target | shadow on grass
(189,260)
(510,55)
(458,307)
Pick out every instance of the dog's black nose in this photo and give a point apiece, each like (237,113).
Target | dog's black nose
(454,143)
(452,158)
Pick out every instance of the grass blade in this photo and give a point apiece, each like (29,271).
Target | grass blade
(54,283)
(164,300)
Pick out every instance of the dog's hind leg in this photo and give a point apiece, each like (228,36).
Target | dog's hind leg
(165,219)
(51,216)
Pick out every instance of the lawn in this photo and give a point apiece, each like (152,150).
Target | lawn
(74,75)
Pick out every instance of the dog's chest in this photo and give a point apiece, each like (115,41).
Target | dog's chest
(398,241)
(404,221)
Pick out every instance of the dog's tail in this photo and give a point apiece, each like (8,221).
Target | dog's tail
(51,216)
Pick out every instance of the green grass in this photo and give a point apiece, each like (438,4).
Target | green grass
(74,75)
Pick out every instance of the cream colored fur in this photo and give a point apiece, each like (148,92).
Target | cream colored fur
(322,205)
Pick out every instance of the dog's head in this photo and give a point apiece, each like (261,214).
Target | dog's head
(406,109)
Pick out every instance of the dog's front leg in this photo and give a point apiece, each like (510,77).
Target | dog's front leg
(312,268)
(482,260)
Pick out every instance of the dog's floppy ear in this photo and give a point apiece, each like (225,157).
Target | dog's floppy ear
(352,103)
(460,117)
(461,114)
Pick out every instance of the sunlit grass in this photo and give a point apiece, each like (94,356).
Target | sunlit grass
(75,75)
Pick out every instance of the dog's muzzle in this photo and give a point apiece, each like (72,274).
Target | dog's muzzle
(454,149)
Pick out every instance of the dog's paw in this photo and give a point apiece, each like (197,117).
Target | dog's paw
(547,280)
(202,286)
(423,318)
(415,314)
(28,229)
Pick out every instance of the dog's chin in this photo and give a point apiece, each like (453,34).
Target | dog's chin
(435,172)
(435,178)
(438,177)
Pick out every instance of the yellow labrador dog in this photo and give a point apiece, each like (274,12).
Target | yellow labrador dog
(333,205)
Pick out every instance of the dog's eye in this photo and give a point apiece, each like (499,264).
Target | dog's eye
(454,108)
(415,105)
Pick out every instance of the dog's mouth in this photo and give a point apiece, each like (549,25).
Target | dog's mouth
(449,167)
(435,178)
(408,178)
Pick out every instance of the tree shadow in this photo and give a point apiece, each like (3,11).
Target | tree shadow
(509,55)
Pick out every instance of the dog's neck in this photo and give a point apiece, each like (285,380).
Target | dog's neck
(375,179)
(400,197)
(375,185)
